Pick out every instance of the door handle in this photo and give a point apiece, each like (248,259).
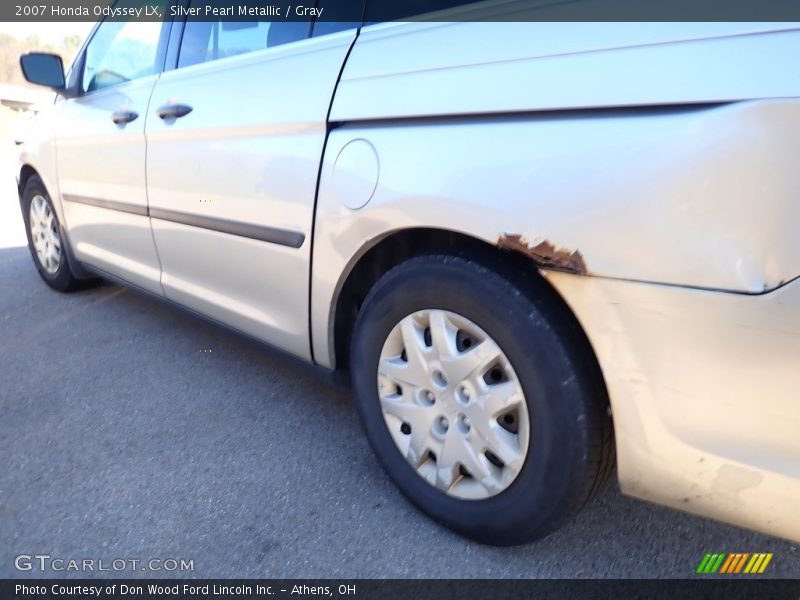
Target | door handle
(121,117)
(173,111)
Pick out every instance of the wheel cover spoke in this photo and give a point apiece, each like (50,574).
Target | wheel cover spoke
(44,234)
(443,335)
(500,397)
(453,404)
(474,361)
(418,417)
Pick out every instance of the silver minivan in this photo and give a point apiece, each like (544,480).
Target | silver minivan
(535,250)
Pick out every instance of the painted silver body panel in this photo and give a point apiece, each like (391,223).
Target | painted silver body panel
(704,197)
(98,159)
(39,150)
(705,393)
(249,152)
(426,69)
(664,154)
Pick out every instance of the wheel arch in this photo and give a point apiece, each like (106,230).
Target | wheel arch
(375,259)
(26,171)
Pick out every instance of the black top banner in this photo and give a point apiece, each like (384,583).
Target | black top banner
(371,11)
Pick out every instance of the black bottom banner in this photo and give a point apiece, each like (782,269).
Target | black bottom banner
(400,589)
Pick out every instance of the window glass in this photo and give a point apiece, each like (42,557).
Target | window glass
(327,27)
(207,41)
(120,51)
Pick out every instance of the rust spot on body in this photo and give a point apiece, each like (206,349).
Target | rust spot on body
(545,254)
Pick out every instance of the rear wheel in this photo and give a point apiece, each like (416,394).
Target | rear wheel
(479,399)
(45,239)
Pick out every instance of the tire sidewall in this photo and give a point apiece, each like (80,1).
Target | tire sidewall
(543,492)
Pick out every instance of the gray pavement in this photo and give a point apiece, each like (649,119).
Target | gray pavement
(131,430)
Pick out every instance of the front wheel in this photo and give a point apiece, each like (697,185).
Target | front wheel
(479,399)
(45,240)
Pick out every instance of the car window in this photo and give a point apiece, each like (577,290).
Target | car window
(204,41)
(121,51)
(328,27)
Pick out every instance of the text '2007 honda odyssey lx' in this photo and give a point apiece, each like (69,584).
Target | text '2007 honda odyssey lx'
(505,232)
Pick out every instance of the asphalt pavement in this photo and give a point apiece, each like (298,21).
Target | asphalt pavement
(132,431)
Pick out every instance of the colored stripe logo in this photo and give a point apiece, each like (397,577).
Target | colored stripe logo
(734,563)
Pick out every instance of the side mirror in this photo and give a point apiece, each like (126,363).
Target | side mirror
(44,69)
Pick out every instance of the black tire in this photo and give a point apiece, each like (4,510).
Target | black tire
(64,278)
(570,454)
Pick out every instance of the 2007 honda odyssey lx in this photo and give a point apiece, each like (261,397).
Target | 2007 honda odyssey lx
(533,246)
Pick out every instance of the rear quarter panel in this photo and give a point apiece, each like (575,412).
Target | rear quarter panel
(424,69)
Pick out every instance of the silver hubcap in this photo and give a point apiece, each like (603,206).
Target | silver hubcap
(453,404)
(44,233)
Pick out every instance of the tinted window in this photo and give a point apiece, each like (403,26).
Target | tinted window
(207,41)
(121,51)
(327,27)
